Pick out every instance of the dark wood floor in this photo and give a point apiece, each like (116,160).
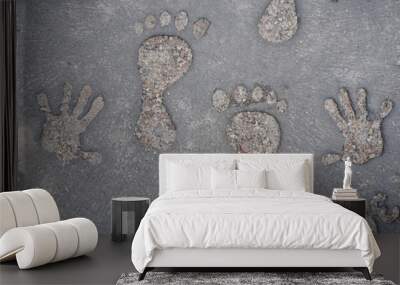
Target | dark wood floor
(110,260)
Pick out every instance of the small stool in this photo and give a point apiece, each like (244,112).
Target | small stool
(127,212)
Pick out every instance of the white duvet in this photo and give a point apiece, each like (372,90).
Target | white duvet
(250,219)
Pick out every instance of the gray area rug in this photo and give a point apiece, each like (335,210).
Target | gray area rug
(269,278)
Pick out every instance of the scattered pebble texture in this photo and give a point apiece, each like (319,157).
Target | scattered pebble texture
(345,43)
(363,136)
(254,132)
(61,132)
(279,22)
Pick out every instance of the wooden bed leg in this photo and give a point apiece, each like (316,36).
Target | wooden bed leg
(143,274)
(364,271)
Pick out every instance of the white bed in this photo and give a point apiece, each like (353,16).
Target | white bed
(250,227)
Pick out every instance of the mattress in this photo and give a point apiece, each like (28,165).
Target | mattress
(250,219)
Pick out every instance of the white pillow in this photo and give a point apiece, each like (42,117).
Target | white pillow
(251,178)
(188,177)
(223,179)
(281,174)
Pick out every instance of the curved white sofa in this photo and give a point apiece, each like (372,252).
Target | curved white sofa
(31,230)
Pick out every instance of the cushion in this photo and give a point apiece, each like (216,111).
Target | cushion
(7,220)
(23,208)
(223,179)
(281,174)
(251,178)
(188,177)
(187,174)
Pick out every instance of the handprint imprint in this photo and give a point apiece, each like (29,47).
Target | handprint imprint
(162,60)
(61,132)
(363,137)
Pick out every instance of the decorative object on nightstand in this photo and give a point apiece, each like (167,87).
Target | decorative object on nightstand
(346,193)
(127,212)
(347,174)
(358,205)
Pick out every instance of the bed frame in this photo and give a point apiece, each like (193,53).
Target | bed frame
(250,259)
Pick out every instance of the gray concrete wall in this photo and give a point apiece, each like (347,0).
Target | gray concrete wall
(345,43)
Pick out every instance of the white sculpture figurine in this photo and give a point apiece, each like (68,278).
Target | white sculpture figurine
(347,174)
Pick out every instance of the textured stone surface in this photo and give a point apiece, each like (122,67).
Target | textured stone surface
(162,61)
(165,18)
(240,95)
(181,21)
(61,132)
(347,43)
(200,28)
(363,137)
(254,132)
(279,22)
(220,100)
(381,212)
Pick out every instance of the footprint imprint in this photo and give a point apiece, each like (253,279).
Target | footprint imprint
(251,131)
(162,60)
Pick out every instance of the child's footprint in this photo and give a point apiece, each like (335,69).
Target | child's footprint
(162,60)
(251,131)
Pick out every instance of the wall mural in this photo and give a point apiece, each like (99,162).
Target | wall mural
(162,60)
(61,132)
(279,22)
(363,137)
(250,131)
(165,55)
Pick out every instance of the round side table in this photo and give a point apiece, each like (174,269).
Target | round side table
(127,212)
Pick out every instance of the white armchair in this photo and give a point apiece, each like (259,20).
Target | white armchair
(31,230)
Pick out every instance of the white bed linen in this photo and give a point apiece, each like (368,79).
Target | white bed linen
(252,218)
